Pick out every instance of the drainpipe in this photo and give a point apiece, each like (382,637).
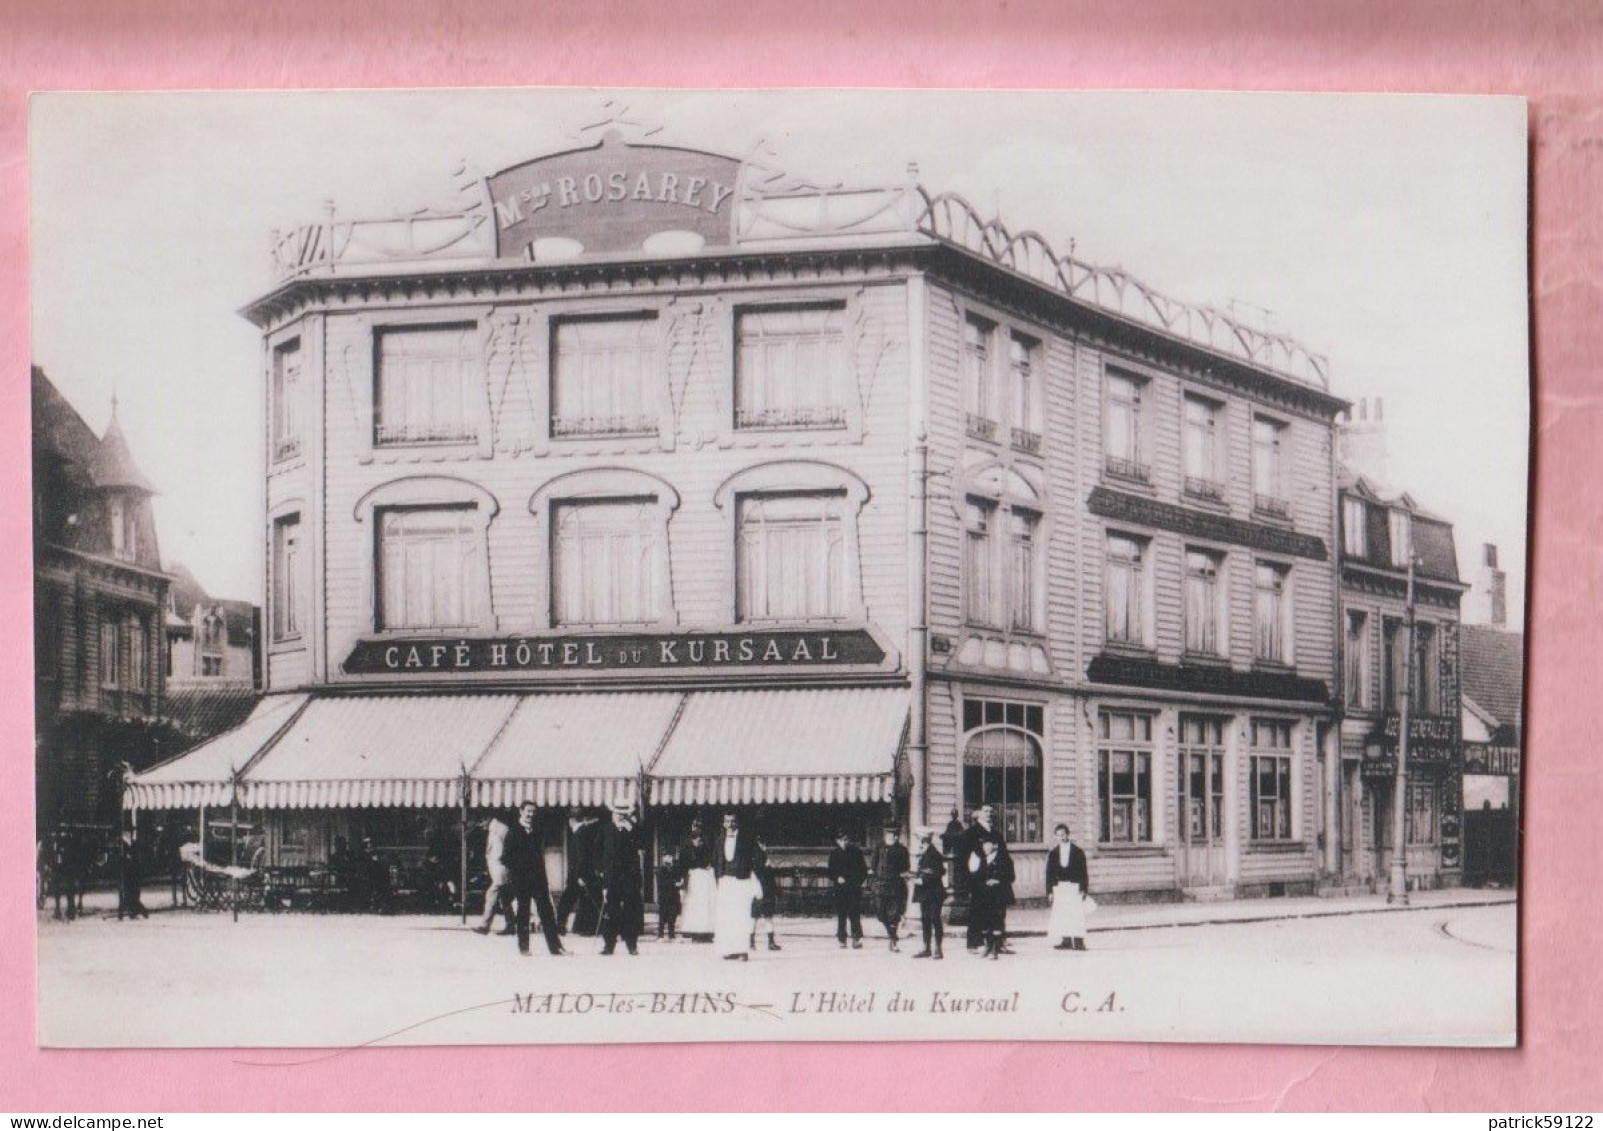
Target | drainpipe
(918,551)
(1333,831)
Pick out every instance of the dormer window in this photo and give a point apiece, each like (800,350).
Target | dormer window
(1402,538)
(124,522)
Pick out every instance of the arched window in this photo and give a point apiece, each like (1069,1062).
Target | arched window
(430,562)
(1002,764)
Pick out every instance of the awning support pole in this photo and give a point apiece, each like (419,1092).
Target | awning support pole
(233,842)
(462,889)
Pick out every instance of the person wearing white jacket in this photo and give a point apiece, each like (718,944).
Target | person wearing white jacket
(498,894)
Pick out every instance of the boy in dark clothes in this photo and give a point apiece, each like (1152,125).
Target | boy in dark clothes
(847,871)
(669,877)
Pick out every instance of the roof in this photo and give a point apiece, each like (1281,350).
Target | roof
(113,463)
(59,432)
(1492,671)
(206,709)
(836,744)
(1434,547)
(186,591)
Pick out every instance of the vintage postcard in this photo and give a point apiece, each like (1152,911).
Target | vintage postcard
(617,566)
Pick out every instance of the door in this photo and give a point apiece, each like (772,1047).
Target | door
(1201,765)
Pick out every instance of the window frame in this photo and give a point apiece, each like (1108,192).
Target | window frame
(473,392)
(287,582)
(110,658)
(1026,404)
(1287,759)
(1145,602)
(287,399)
(827,417)
(1287,574)
(1209,487)
(1134,467)
(650,548)
(1356,657)
(426,492)
(1355,535)
(649,423)
(1271,499)
(1217,804)
(830,500)
(981,407)
(1142,752)
(1026,718)
(1220,609)
(1427,788)
(1402,549)
(136,628)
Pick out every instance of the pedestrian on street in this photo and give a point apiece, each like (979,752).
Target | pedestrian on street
(1068,886)
(892,869)
(498,896)
(581,884)
(929,892)
(130,879)
(734,861)
(670,879)
(524,861)
(991,878)
(767,899)
(623,907)
(700,886)
(981,831)
(847,871)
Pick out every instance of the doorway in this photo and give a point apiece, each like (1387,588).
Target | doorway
(1200,763)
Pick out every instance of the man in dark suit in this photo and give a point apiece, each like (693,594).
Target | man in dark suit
(623,907)
(581,895)
(980,832)
(892,869)
(847,871)
(525,865)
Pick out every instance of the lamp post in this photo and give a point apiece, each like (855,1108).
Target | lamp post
(1397,890)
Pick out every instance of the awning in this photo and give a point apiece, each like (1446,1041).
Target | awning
(204,775)
(578,749)
(367,751)
(773,747)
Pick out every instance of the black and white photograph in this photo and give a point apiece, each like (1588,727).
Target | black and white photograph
(609,566)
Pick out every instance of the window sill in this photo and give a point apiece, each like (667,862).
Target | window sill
(1132,850)
(1209,503)
(1262,665)
(1120,648)
(1279,847)
(1128,482)
(1277,515)
(1204,660)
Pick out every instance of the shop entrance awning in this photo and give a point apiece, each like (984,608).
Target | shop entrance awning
(205,775)
(774,747)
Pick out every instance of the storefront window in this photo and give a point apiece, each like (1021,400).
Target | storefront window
(428,567)
(424,386)
(606,562)
(1272,762)
(790,368)
(792,557)
(1002,766)
(603,375)
(1201,778)
(1423,811)
(1124,777)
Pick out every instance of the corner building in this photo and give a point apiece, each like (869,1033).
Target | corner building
(655,477)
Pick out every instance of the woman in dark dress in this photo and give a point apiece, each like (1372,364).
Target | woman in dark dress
(929,892)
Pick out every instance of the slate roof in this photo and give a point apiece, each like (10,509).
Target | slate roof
(1492,671)
(113,464)
(202,710)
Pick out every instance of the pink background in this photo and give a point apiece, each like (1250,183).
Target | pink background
(1550,52)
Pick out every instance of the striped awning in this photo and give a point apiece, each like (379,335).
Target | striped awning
(763,747)
(205,775)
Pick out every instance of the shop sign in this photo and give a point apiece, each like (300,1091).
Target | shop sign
(1482,759)
(614,197)
(611,652)
(1431,738)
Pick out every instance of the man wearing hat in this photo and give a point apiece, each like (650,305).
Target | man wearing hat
(580,886)
(929,891)
(524,860)
(892,869)
(847,871)
(623,905)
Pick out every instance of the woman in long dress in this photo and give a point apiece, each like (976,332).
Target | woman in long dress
(701,886)
(1067,881)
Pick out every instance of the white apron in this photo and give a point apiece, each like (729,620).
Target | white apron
(734,923)
(1067,920)
(700,900)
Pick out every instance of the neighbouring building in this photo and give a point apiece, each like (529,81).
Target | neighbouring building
(1493,675)
(659,476)
(209,640)
(99,594)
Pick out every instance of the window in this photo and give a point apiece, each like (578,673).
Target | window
(1396,660)
(1126,596)
(1423,812)
(1356,651)
(1022,527)
(1268,466)
(1125,445)
(110,651)
(1202,448)
(1002,764)
(604,376)
(1201,779)
(213,633)
(1427,674)
(978,377)
(1205,603)
(47,621)
(1124,777)
(286,400)
(428,567)
(138,653)
(287,578)
(790,368)
(425,389)
(605,562)
(1271,779)
(1022,353)
(1402,542)
(1354,527)
(980,591)
(791,557)
(211,665)
(1272,613)
(124,522)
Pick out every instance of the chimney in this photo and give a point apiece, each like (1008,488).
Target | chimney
(1488,594)
(1361,439)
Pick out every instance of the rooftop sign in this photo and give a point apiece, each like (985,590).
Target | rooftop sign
(614,197)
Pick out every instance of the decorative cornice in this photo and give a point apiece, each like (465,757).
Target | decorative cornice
(1108,503)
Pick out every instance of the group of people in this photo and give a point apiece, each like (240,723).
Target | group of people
(67,858)
(721,889)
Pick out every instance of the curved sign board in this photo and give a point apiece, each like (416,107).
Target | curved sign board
(614,197)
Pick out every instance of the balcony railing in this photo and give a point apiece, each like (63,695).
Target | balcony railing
(1129,469)
(409,433)
(803,416)
(980,427)
(1272,505)
(1026,441)
(1210,489)
(626,425)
